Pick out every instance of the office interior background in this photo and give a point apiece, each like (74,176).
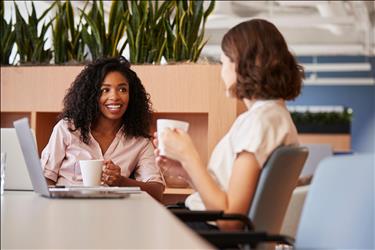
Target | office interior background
(333,40)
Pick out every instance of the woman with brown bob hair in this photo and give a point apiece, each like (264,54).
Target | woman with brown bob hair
(265,67)
(257,68)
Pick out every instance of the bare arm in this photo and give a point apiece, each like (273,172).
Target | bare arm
(242,182)
(241,189)
(155,189)
(50,182)
(112,177)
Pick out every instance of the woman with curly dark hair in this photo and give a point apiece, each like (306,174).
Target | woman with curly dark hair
(257,68)
(106,115)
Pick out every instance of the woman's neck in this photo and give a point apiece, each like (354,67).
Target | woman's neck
(249,102)
(106,126)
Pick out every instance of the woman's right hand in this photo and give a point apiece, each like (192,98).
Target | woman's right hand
(161,161)
(168,165)
(177,145)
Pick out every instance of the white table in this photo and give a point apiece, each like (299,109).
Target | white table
(138,222)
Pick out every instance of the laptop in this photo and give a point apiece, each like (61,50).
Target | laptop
(34,167)
(16,174)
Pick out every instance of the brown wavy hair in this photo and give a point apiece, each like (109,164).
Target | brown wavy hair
(265,68)
(81,103)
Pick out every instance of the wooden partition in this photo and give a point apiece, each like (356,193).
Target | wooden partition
(191,92)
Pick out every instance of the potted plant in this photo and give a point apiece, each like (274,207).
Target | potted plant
(323,122)
(67,35)
(30,42)
(8,37)
(37,92)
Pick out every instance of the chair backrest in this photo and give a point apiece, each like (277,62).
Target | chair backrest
(339,208)
(277,180)
(294,211)
(317,152)
(16,175)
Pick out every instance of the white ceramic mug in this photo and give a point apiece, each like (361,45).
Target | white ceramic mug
(162,124)
(91,172)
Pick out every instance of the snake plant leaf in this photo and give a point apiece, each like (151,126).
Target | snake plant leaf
(131,42)
(199,50)
(30,43)
(116,26)
(187,25)
(95,31)
(209,10)
(67,38)
(182,26)
(135,20)
(8,37)
(105,39)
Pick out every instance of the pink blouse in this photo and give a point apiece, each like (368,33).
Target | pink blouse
(60,158)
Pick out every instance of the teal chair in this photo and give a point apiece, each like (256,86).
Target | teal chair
(339,208)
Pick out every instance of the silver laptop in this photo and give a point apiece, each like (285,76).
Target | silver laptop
(16,174)
(38,180)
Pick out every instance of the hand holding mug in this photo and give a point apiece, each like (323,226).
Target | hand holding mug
(111,174)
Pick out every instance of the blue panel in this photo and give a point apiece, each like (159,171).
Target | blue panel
(359,98)
(372,61)
(354,74)
(308,74)
(344,74)
(304,59)
(342,59)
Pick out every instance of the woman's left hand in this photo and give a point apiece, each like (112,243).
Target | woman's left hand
(111,174)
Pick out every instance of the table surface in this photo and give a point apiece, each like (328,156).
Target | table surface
(137,222)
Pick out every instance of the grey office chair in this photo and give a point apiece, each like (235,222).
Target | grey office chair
(338,211)
(277,180)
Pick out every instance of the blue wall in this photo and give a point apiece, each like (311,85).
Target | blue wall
(360,98)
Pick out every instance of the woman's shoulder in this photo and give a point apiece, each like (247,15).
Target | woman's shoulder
(270,110)
(265,114)
(64,124)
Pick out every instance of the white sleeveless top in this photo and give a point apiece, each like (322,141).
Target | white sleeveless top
(261,129)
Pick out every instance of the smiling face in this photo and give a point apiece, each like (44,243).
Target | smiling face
(114,97)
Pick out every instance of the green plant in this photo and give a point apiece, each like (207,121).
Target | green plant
(326,122)
(67,40)
(185,34)
(322,118)
(152,29)
(8,37)
(30,43)
(145,30)
(102,42)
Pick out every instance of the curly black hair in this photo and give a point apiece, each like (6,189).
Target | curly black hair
(81,103)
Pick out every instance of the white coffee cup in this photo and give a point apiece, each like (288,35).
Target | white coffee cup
(91,172)
(162,124)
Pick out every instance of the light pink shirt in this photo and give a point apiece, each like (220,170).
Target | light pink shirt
(60,158)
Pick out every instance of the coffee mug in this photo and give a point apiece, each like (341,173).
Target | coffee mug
(91,172)
(162,124)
